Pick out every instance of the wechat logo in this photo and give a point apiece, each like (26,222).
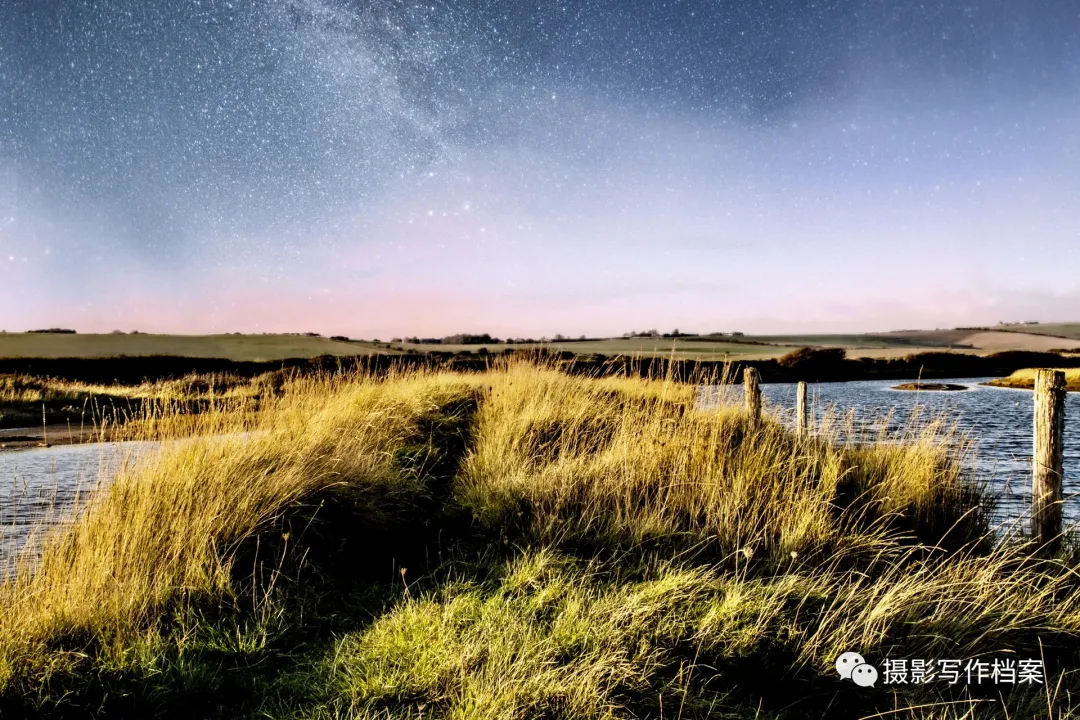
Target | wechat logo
(853,666)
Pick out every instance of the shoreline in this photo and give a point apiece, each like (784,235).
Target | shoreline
(23,438)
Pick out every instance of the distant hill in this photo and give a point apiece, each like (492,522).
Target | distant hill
(231,347)
(716,346)
(1062,330)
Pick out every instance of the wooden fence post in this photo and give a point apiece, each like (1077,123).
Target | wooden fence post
(751,381)
(802,420)
(1046,461)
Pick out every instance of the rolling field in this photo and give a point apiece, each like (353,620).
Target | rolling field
(231,347)
(713,350)
(994,341)
(1063,330)
(272,347)
(763,347)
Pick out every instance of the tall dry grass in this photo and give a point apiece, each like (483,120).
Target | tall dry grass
(1026,379)
(619,552)
(166,531)
(624,462)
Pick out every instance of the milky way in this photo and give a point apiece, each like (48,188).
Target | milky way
(396,168)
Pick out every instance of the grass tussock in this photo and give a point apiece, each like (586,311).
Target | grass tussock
(1025,379)
(632,463)
(525,544)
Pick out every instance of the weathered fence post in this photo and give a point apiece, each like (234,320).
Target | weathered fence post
(802,421)
(751,381)
(1047,458)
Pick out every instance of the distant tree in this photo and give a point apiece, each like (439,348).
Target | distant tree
(340,338)
(558,337)
(581,338)
(395,340)
(468,339)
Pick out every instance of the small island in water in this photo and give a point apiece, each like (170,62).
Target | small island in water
(929,386)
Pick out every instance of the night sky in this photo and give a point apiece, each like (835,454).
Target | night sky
(389,168)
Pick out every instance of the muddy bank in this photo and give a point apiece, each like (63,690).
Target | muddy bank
(27,437)
(932,387)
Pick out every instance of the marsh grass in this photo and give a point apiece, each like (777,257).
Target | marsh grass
(166,533)
(623,463)
(195,404)
(522,543)
(1026,379)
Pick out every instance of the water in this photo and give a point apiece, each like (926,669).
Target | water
(998,420)
(39,486)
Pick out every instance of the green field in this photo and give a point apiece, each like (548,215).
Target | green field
(270,347)
(231,347)
(630,346)
(748,347)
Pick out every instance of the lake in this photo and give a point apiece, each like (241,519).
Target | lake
(38,484)
(998,419)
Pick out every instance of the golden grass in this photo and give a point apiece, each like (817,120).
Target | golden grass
(168,528)
(30,389)
(630,461)
(1026,379)
(618,553)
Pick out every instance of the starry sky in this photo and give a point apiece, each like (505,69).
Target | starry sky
(383,168)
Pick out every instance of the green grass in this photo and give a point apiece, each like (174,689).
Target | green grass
(525,544)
